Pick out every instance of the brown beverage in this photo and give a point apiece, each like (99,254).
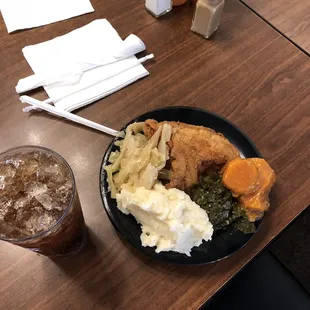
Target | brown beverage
(39,203)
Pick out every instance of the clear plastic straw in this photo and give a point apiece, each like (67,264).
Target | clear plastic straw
(70,116)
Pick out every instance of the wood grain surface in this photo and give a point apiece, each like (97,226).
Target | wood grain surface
(291,18)
(247,73)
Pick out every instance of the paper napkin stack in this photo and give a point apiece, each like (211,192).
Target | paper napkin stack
(24,14)
(84,65)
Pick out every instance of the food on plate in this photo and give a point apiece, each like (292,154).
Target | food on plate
(193,149)
(223,209)
(169,219)
(139,159)
(250,180)
(208,186)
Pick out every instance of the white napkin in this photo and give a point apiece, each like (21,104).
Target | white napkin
(87,61)
(24,14)
(93,44)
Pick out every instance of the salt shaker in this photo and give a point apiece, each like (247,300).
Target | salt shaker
(158,7)
(207,17)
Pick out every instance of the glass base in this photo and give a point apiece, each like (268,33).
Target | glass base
(157,16)
(203,35)
(75,249)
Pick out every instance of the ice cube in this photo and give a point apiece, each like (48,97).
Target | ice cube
(10,184)
(7,230)
(33,218)
(6,203)
(43,222)
(53,174)
(34,189)
(16,189)
(46,159)
(21,201)
(23,214)
(15,161)
(46,200)
(30,167)
(64,192)
(7,174)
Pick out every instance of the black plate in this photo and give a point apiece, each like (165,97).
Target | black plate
(223,243)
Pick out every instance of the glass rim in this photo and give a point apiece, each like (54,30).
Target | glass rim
(70,205)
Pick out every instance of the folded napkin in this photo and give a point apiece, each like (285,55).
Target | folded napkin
(85,62)
(24,14)
(84,65)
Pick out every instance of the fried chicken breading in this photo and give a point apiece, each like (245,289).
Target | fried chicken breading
(193,149)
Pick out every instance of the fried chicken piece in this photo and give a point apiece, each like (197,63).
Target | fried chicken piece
(193,150)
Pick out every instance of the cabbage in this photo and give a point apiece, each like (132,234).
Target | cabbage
(139,159)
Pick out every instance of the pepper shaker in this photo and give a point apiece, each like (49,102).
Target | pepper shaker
(207,17)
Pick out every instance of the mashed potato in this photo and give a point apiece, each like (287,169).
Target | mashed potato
(170,220)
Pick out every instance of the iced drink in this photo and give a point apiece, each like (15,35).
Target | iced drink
(39,203)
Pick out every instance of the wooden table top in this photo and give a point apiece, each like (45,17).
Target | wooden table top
(247,73)
(291,18)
